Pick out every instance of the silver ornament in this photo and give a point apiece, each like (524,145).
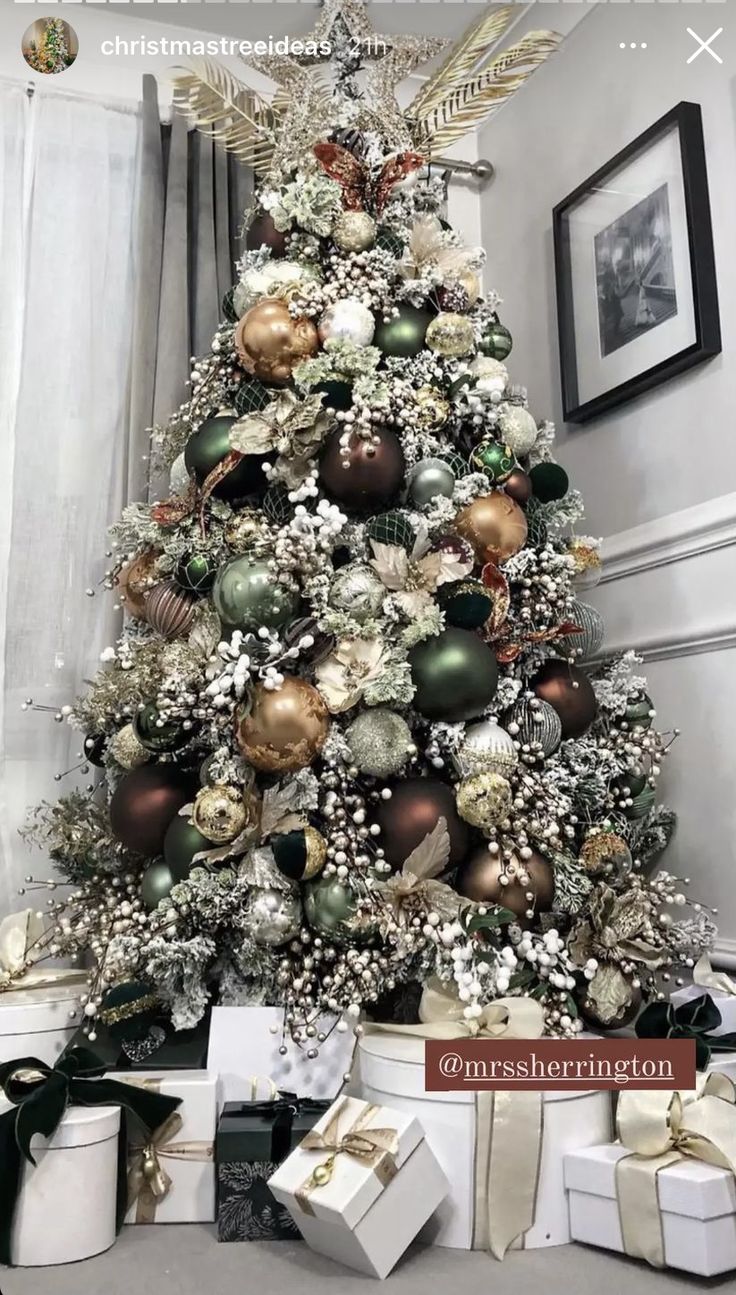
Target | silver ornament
(517,428)
(380,742)
(273,916)
(178,477)
(347,320)
(589,641)
(354,231)
(534,722)
(485,748)
(357,590)
(429,478)
(492,375)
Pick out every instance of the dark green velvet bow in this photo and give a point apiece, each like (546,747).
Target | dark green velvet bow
(40,1095)
(695,1019)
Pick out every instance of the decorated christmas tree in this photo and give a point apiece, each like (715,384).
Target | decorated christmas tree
(51,54)
(359,731)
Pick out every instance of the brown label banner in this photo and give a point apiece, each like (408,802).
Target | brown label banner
(542,1065)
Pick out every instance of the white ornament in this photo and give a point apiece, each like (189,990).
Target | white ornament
(517,428)
(485,748)
(347,320)
(492,375)
(274,279)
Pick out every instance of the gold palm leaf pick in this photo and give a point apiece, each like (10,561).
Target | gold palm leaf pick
(461,60)
(466,105)
(219,105)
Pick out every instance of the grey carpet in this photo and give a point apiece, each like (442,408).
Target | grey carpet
(176,1260)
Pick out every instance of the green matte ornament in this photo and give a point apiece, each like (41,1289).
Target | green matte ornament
(209,445)
(631,784)
(156,884)
(640,711)
(181,843)
(330,909)
(392,528)
(197,573)
(337,395)
(428,479)
(466,603)
(455,675)
(156,735)
(247,596)
(496,460)
(251,397)
(496,341)
(549,482)
(403,334)
(388,241)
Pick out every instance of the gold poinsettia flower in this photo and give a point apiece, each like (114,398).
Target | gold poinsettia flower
(415,892)
(412,578)
(345,674)
(429,253)
(293,426)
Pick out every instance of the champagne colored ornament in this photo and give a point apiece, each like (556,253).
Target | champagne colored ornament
(380,742)
(494,525)
(220,813)
(586,563)
(455,675)
(300,854)
(413,811)
(522,886)
(206,449)
(485,748)
(126,749)
(518,486)
(430,408)
(354,231)
(263,233)
(156,734)
(347,320)
(357,591)
(496,341)
(484,799)
(156,884)
(247,596)
(135,580)
(169,610)
(270,342)
(144,803)
(404,332)
(242,531)
(570,693)
(605,852)
(450,335)
(517,428)
(493,458)
(369,476)
(429,478)
(181,844)
(284,728)
(272,917)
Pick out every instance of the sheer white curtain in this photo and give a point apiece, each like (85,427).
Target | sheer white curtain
(67,204)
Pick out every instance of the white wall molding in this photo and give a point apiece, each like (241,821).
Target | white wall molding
(684,534)
(724,954)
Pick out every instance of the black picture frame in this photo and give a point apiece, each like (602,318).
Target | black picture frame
(687,118)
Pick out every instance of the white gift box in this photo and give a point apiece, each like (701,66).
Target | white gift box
(187,1156)
(391,1071)
(244,1045)
(66,1205)
(726,1004)
(357,1217)
(39,1020)
(697,1203)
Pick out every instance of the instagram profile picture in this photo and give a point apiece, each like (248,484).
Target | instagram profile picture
(49,46)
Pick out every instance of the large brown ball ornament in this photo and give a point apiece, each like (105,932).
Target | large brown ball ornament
(490,879)
(494,525)
(170,610)
(413,811)
(135,580)
(144,803)
(624,1016)
(263,233)
(270,342)
(569,692)
(283,729)
(369,476)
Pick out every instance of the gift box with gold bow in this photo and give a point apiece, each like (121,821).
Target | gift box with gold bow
(171,1173)
(361,1185)
(665,1192)
(720,986)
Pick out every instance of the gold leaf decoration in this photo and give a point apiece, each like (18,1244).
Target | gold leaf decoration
(461,61)
(219,105)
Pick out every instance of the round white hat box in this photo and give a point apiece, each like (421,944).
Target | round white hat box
(66,1204)
(391,1073)
(39,1021)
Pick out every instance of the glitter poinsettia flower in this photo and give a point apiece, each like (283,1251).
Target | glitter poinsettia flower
(345,674)
(430,253)
(412,578)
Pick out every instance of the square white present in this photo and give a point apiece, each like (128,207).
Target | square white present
(697,1205)
(185,1155)
(364,1215)
(245,1045)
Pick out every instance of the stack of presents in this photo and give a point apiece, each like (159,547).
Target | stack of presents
(232,1125)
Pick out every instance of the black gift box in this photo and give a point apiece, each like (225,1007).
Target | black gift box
(253,1138)
(179,1049)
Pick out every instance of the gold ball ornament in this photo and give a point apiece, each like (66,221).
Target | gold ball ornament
(587,565)
(484,799)
(283,728)
(243,529)
(523,886)
(135,580)
(605,851)
(430,408)
(450,335)
(270,342)
(494,525)
(220,813)
(127,750)
(354,231)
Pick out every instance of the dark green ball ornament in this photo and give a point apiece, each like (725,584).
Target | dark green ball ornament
(330,908)
(156,884)
(640,711)
(208,447)
(299,855)
(631,784)
(337,395)
(466,603)
(181,843)
(251,397)
(157,736)
(641,804)
(129,1010)
(197,573)
(496,341)
(496,460)
(391,528)
(388,241)
(228,309)
(276,504)
(455,675)
(549,482)
(403,334)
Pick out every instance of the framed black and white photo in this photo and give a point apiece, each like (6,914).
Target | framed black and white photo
(637,300)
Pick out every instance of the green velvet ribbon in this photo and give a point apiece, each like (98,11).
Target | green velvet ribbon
(695,1019)
(40,1094)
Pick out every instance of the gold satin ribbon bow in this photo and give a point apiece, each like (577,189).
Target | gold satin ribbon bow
(23,937)
(508,1125)
(148,1181)
(375,1148)
(706,978)
(659,1128)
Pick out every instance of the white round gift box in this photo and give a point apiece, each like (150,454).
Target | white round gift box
(391,1073)
(66,1206)
(39,1021)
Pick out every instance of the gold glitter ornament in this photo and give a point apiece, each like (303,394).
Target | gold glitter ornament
(354,231)
(430,407)
(220,814)
(126,750)
(587,563)
(242,531)
(484,799)
(450,335)
(605,851)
